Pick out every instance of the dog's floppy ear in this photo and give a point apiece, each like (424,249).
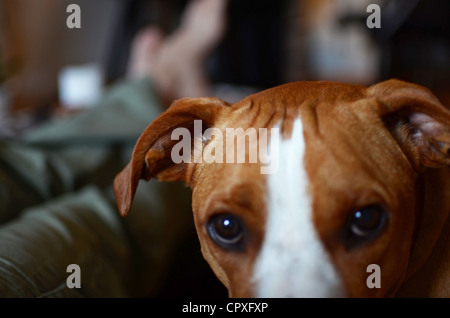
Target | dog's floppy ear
(151,156)
(416,118)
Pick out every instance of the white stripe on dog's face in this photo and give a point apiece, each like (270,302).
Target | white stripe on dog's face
(292,261)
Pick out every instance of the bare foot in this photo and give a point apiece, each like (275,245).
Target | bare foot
(175,63)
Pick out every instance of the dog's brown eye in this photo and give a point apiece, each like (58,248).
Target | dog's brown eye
(365,224)
(226,230)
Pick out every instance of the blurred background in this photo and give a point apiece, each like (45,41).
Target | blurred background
(267,43)
(46,68)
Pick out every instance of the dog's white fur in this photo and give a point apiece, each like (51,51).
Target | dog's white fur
(292,261)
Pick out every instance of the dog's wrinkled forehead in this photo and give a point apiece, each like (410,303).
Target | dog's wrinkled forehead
(283,104)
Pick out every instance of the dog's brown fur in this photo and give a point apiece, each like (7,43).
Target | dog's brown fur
(362,146)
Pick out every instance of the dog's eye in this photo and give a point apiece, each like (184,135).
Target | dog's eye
(226,230)
(365,224)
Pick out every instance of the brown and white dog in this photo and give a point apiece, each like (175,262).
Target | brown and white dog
(362,178)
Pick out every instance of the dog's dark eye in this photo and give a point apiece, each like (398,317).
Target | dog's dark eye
(226,230)
(365,224)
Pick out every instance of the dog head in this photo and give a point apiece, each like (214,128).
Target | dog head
(322,184)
